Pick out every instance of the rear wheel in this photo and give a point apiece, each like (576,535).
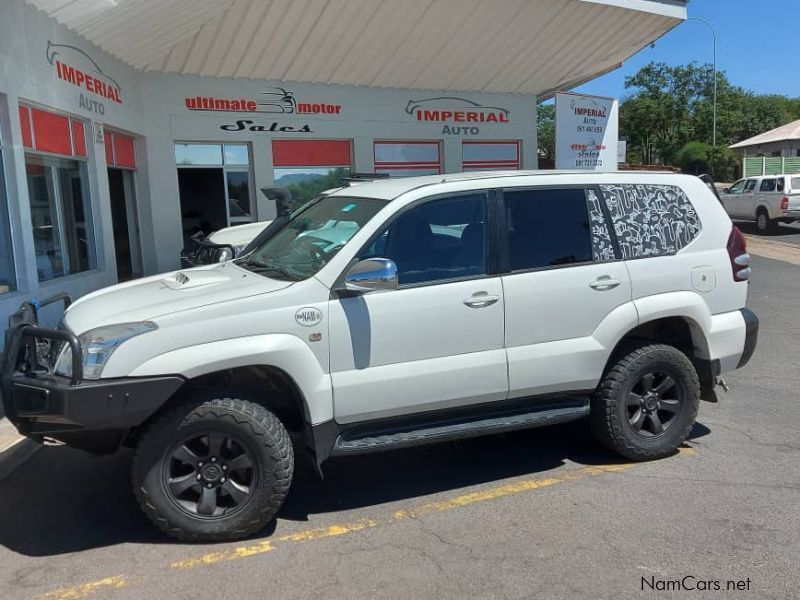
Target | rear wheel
(647,403)
(213,470)
(763,223)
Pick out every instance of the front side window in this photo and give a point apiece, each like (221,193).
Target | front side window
(439,240)
(737,187)
(548,228)
(312,237)
(650,220)
(61,216)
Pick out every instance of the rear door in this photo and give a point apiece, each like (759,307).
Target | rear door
(561,282)
(767,195)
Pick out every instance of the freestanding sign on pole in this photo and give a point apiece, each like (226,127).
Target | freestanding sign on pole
(587,132)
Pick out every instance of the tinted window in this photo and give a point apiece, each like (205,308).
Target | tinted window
(436,241)
(547,228)
(781,181)
(651,220)
(750,185)
(768,185)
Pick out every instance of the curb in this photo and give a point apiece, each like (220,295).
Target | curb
(14,449)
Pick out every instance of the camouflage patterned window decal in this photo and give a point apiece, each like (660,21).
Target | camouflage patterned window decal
(651,220)
(602,246)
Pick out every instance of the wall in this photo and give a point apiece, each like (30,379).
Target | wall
(360,114)
(26,75)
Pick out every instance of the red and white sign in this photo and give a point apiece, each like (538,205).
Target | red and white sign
(78,68)
(587,132)
(280,101)
(451,109)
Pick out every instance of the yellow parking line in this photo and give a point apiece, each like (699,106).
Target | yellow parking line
(518,487)
(87,589)
(263,547)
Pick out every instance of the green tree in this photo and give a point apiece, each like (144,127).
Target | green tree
(694,158)
(546,130)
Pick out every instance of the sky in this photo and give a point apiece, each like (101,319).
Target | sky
(757,45)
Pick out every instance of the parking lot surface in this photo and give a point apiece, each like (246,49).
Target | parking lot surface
(534,514)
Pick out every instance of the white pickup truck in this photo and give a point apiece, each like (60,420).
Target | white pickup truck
(766,200)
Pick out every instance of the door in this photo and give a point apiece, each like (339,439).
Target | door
(729,198)
(767,195)
(437,341)
(562,283)
(743,205)
(124,222)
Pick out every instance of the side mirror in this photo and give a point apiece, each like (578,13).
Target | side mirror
(372,275)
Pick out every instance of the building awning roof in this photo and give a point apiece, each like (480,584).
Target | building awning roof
(505,46)
(790,131)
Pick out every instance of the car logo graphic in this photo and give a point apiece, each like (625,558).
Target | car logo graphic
(281,102)
(451,102)
(79,59)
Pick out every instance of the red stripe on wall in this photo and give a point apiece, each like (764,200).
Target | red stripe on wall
(25,125)
(124,151)
(78,138)
(311,153)
(51,132)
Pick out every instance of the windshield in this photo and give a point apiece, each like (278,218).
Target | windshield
(312,237)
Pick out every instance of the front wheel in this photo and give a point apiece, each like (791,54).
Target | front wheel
(646,405)
(213,470)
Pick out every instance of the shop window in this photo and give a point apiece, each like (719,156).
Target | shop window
(61,211)
(215,185)
(61,216)
(120,150)
(7,278)
(490,156)
(407,159)
(308,167)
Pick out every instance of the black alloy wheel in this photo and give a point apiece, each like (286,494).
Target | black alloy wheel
(653,404)
(210,475)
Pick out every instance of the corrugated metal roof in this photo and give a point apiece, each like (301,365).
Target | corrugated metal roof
(790,131)
(528,46)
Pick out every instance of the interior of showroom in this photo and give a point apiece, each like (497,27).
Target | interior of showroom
(127,126)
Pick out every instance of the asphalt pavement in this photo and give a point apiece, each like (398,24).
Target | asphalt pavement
(536,514)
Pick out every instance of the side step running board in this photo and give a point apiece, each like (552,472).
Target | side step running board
(440,431)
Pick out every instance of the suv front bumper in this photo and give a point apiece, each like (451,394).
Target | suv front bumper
(91,414)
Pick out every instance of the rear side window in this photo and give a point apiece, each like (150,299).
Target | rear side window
(651,220)
(750,185)
(781,184)
(768,185)
(548,228)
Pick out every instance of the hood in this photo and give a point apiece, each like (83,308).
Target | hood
(238,234)
(152,297)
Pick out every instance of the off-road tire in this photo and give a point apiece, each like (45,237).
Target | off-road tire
(258,429)
(609,410)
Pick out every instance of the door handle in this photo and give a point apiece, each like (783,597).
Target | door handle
(604,283)
(481,300)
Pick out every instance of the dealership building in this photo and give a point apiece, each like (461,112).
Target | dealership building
(128,125)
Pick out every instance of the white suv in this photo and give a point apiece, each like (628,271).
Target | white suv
(400,312)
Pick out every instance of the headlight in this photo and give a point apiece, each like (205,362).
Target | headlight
(97,346)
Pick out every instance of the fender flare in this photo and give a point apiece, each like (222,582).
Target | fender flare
(282,351)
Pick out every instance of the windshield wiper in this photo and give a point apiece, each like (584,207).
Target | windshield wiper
(269,268)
